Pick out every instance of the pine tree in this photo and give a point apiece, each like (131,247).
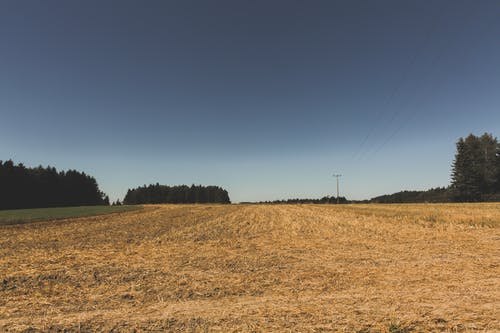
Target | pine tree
(476,167)
(465,176)
(489,163)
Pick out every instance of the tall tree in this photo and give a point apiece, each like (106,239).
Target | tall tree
(476,168)
(489,163)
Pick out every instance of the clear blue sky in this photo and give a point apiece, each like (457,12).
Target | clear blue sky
(265,98)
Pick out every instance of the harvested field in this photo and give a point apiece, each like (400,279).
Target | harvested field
(307,268)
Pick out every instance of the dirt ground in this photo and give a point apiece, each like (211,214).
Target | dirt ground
(256,268)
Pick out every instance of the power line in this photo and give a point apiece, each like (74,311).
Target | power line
(432,87)
(401,82)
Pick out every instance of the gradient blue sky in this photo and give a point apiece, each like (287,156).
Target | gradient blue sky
(265,98)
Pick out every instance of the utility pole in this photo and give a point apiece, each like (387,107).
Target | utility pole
(337,176)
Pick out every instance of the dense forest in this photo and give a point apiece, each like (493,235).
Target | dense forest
(22,187)
(155,194)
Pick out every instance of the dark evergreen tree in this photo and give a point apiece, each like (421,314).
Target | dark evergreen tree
(488,163)
(475,170)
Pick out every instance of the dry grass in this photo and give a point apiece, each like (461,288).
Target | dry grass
(307,268)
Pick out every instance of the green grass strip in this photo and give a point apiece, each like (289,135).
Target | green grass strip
(17,216)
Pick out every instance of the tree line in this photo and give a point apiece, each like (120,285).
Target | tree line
(23,187)
(475,175)
(438,194)
(155,194)
(324,200)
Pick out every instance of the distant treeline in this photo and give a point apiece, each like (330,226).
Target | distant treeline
(475,175)
(22,187)
(438,194)
(155,194)
(324,200)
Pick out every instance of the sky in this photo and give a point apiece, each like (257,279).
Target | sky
(267,99)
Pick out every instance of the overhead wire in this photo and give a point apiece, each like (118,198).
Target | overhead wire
(401,82)
(432,87)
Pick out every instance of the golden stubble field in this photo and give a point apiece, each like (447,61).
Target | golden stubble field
(284,268)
